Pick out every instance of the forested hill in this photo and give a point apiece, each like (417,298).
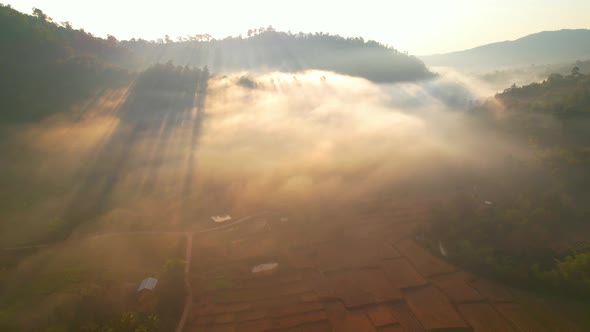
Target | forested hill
(46,67)
(268,49)
(548,47)
(33,39)
(564,96)
(36,39)
(533,231)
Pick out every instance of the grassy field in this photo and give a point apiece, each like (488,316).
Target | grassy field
(37,291)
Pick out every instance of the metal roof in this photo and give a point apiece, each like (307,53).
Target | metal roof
(147,283)
(221,218)
(264,267)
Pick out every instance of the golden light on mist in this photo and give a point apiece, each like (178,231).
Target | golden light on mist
(293,138)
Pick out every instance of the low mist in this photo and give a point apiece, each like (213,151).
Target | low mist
(311,139)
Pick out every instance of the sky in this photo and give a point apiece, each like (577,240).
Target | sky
(420,27)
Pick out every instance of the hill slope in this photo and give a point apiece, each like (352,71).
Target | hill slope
(36,51)
(528,223)
(540,48)
(45,67)
(273,50)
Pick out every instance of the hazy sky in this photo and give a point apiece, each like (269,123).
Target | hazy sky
(417,26)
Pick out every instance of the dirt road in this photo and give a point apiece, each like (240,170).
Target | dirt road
(188,254)
(189,291)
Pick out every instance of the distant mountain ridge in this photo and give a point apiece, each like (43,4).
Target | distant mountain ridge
(547,47)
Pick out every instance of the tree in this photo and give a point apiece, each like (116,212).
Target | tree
(576,71)
(112,39)
(67,25)
(554,77)
(40,14)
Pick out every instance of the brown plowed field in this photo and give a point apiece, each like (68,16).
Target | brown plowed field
(356,274)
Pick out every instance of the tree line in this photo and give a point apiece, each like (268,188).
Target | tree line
(534,230)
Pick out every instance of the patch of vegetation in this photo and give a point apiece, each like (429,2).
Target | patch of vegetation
(45,67)
(270,49)
(247,82)
(527,234)
(91,286)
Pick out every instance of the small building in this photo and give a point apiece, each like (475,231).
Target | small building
(265,268)
(147,284)
(146,297)
(219,219)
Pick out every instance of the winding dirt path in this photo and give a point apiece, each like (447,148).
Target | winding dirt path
(189,249)
(188,302)
(188,254)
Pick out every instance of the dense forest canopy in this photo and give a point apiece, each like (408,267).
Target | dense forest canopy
(526,221)
(36,39)
(561,95)
(272,50)
(46,68)
(37,50)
